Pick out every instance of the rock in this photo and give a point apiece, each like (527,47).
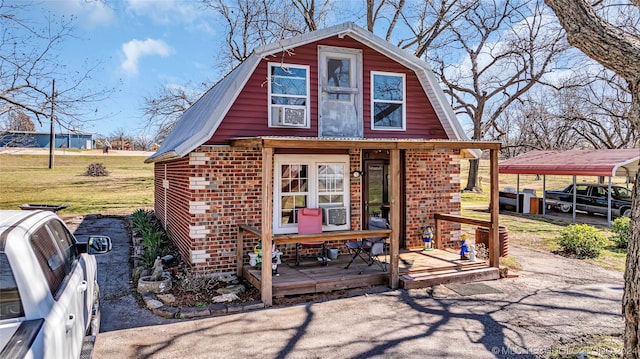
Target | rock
(145,284)
(235,289)
(227,278)
(167,298)
(167,258)
(153,304)
(229,297)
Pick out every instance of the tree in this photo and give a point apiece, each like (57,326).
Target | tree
(615,45)
(163,109)
(19,121)
(586,110)
(29,65)
(507,48)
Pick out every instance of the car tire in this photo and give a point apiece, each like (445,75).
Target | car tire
(626,212)
(566,208)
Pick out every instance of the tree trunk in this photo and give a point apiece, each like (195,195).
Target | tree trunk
(472,179)
(619,51)
(631,296)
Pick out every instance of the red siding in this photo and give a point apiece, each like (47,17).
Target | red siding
(248,116)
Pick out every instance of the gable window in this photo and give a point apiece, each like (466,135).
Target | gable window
(387,101)
(288,95)
(311,181)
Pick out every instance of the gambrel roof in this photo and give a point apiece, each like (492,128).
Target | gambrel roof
(198,124)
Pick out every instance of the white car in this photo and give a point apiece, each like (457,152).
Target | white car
(49,295)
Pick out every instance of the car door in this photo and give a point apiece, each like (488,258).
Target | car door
(63,326)
(67,246)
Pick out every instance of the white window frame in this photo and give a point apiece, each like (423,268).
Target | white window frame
(403,102)
(312,161)
(307,106)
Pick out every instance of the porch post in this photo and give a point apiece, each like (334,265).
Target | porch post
(266,228)
(394,249)
(494,245)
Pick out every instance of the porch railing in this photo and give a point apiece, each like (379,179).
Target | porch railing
(483,223)
(279,239)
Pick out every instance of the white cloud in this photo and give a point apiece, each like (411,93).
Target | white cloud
(91,13)
(135,49)
(166,11)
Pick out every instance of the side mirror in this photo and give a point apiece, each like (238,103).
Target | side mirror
(98,245)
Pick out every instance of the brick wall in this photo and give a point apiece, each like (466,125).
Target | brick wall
(216,188)
(432,185)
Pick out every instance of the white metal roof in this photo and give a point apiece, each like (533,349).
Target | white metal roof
(201,120)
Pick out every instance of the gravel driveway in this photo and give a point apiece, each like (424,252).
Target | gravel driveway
(553,300)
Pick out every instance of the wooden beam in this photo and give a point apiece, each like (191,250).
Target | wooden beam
(438,232)
(315,142)
(394,250)
(329,236)
(459,219)
(250,229)
(266,289)
(239,250)
(494,246)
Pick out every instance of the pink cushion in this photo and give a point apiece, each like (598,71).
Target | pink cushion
(309,220)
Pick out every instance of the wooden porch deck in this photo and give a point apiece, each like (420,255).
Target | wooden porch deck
(418,269)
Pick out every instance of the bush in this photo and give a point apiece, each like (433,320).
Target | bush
(582,240)
(153,241)
(97,170)
(622,229)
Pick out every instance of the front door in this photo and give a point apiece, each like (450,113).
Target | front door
(340,89)
(376,191)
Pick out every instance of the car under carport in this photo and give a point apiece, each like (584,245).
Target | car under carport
(599,163)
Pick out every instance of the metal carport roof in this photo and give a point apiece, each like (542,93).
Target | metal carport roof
(616,162)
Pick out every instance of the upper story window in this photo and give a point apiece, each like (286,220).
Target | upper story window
(288,95)
(388,101)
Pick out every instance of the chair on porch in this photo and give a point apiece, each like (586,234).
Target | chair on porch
(370,249)
(310,222)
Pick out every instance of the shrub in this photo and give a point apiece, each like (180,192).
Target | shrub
(582,240)
(153,241)
(622,229)
(97,170)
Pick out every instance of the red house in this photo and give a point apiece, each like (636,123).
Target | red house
(336,119)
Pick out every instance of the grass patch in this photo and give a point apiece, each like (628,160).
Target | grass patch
(27,179)
(532,231)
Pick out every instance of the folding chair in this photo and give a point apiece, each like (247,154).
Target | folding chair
(369,249)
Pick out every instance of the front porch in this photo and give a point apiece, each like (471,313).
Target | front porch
(418,269)
(407,188)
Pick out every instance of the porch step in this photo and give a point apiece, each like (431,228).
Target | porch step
(424,280)
(455,268)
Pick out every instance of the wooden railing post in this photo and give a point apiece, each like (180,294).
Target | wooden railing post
(267,236)
(239,250)
(494,246)
(394,250)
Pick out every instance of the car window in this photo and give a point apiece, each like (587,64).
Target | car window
(65,241)
(621,193)
(49,257)
(581,189)
(10,303)
(600,192)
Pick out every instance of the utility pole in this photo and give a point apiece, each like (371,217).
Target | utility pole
(51,134)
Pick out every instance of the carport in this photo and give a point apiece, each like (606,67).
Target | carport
(600,163)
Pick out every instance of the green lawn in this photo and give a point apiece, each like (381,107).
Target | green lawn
(27,179)
(532,231)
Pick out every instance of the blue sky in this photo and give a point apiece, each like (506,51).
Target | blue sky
(140,45)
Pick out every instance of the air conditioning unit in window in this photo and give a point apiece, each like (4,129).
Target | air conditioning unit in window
(335,215)
(292,116)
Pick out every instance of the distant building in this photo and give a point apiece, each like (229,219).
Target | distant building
(75,139)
